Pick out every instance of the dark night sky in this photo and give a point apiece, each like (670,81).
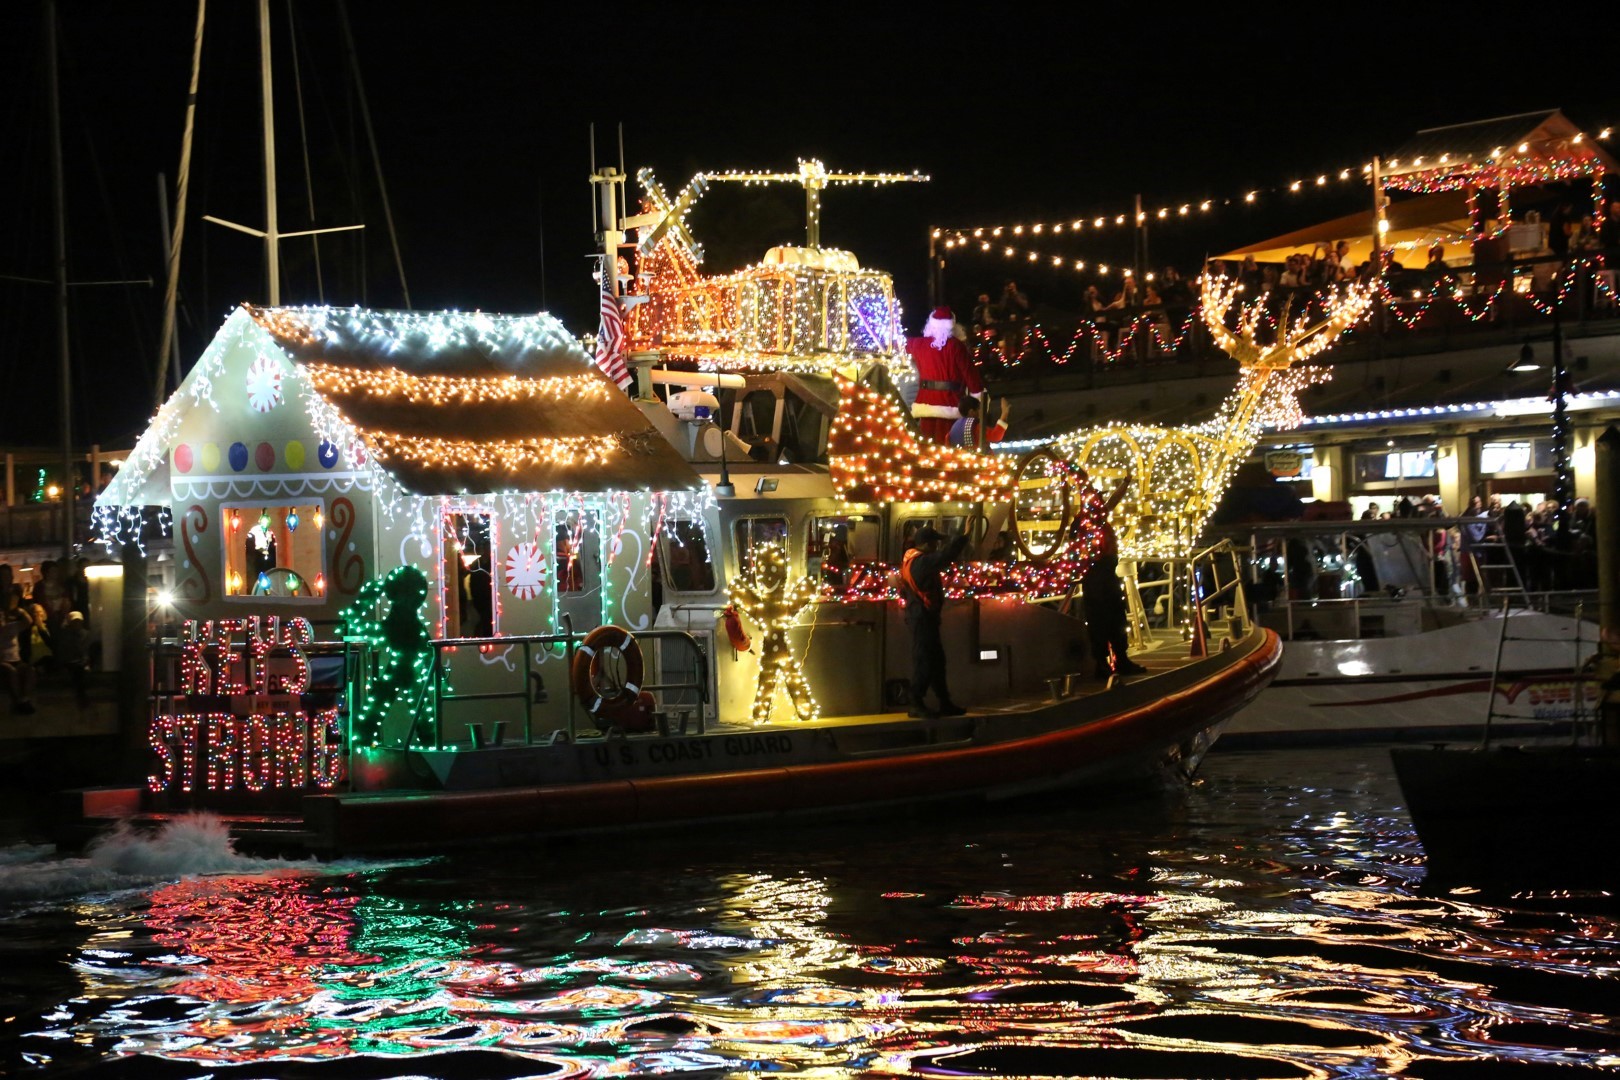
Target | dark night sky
(481,117)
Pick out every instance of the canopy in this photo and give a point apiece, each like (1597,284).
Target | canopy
(1415,225)
(1506,151)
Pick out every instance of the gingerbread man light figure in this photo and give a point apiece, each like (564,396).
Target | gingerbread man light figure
(765,595)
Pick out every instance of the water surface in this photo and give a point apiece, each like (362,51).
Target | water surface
(1267,921)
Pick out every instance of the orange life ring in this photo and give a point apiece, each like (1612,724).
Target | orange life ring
(588,667)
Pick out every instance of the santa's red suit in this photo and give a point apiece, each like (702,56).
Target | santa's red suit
(944,374)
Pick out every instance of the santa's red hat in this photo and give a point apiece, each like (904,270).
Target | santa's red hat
(943,314)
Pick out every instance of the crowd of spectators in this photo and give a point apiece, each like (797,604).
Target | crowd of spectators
(43,630)
(1547,555)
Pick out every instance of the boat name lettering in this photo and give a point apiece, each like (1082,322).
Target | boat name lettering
(744,745)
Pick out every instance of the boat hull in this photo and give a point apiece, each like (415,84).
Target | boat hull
(1434,684)
(1515,816)
(653,782)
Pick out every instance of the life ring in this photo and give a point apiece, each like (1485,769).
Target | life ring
(589,670)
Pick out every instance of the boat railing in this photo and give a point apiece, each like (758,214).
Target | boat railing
(1348,580)
(1200,594)
(683,697)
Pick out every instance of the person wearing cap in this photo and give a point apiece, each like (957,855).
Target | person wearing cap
(72,643)
(1102,594)
(944,373)
(923,590)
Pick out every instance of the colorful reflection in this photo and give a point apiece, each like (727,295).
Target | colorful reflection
(1260,929)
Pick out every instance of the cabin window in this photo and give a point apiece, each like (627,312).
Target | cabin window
(753,531)
(688,566)
(274,552)
(467,574)
(949,525)
(844,549)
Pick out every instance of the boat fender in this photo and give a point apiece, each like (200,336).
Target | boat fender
(734,630)
(586,675)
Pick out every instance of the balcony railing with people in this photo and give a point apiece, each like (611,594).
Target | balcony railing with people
(1421,310)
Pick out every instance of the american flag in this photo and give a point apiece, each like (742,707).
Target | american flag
(610,335)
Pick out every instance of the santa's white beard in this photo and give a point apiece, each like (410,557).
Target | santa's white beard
(938,331)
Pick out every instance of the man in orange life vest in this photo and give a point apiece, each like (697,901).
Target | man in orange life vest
(944,373)
(924,594)
(1102,594)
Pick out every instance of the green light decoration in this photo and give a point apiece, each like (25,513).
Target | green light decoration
(400,637)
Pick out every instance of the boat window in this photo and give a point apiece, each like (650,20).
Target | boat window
(577,552)
(274,552)
(758,421)
(843,549)
(467,575)
(751,532)
(688,565)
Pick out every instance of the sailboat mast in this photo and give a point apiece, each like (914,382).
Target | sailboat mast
(166,345)
(58,203)
(271,236)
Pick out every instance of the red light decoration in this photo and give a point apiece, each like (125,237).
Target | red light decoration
(876,456)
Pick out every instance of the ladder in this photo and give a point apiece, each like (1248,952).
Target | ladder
(1580,721)
(1496,570)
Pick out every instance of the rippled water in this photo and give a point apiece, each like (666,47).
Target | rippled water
(1266,922)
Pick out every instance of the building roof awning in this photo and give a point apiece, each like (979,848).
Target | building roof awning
(1415,224)
(1512,151)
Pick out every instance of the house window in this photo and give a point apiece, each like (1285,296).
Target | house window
(274,552)
(468,575)
(577,546)
(688,566)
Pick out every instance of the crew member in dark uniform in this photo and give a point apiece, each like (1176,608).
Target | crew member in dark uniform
(1102,594)
(924,594)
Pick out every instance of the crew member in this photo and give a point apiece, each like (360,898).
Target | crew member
(1102,593)
(924,594)
(944,374)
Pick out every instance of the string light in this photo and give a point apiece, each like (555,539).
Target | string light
(813,309)
(1181,473)
(873,455)
(767,594)
(564,391)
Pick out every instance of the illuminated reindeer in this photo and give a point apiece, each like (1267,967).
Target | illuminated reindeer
(1179,474)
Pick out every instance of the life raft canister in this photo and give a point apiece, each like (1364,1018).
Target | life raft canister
(588,676)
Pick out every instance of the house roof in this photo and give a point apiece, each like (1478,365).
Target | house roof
(451,403)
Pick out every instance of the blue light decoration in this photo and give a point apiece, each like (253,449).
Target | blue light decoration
(262,586)
(327,454)
(292,521)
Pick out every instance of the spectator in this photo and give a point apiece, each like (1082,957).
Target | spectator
(16,625)
(1014,308)
(72,653)
(1250,277)
(985,318)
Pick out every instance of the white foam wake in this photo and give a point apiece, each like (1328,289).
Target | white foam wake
(128,858)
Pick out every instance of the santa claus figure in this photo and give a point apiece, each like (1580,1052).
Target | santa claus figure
(944,374)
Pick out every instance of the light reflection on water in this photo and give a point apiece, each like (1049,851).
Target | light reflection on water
(1266,922)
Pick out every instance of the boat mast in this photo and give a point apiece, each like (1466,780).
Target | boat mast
(172,256)
(58,204)
(271,235)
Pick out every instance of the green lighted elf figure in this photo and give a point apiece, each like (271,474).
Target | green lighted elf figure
(766,596)
(401,637)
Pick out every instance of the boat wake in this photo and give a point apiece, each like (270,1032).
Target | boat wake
(127,858)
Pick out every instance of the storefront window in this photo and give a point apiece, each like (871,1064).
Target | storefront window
(1394,465)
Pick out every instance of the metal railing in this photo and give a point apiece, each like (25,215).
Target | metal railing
(1200,594)
(436,693)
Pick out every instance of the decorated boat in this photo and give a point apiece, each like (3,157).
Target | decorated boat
(439,577)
